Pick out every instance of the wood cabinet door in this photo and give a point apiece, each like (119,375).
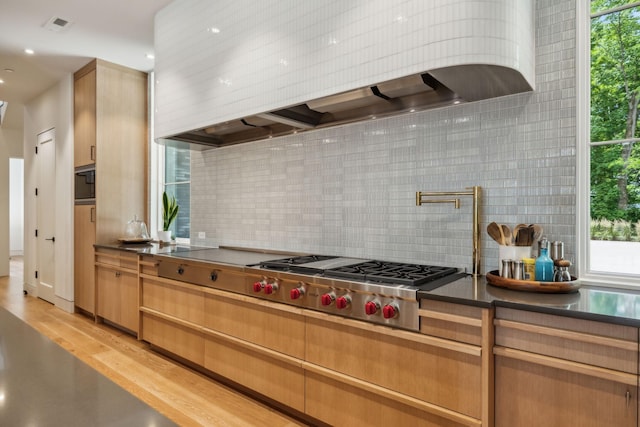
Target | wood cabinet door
(108,294)
(529,394)
(84,128)
(129,308)
(83,268)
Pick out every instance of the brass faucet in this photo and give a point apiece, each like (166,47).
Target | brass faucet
(475,193)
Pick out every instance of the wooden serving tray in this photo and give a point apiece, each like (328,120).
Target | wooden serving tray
(493,278)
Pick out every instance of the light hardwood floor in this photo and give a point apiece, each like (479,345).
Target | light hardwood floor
(181,394)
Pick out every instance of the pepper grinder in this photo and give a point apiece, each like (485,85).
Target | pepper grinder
(561,273)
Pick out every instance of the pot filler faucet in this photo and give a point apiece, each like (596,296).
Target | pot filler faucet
(473,192)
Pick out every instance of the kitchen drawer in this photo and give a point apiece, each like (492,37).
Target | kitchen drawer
(117,258)
(275,326)
(588,342)
(451,321)
(148,265)
(180,300)
(183,340)
(555,393)
(269,373)
(444,373)
(338,404)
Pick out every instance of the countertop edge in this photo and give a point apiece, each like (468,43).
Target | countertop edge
(477,292)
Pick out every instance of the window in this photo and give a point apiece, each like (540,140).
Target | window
(177,183)
(611,188)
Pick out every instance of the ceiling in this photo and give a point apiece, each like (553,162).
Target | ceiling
(119,31)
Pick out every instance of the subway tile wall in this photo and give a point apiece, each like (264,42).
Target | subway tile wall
(227,59)
(350,190)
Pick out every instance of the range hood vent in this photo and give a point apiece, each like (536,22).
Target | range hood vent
(416,92)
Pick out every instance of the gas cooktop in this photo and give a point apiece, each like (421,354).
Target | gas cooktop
(361,270)
(391,272)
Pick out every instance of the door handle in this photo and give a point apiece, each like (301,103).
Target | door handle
(53,239)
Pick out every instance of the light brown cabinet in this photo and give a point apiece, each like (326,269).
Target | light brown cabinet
(84,239)
(172,315)
(117,288)
(110,131)
(340,371)
(260,346)
(84,126)
(563,371)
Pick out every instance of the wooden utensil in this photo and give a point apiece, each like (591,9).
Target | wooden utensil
(495,231)
(524,236)
(537,232)
(507,237)
(517,228)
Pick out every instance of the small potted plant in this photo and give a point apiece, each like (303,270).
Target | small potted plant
(170,210)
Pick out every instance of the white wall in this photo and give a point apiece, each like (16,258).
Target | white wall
(16,207)
(10,146)
(52,109)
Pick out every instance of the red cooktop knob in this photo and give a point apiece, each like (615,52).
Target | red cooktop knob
(389,311)
(371,308)
(295,293)
(326,299)
(257,287)
(269,288)
(343,302)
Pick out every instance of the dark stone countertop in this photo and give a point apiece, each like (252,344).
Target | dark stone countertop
(612,305)
(230,256)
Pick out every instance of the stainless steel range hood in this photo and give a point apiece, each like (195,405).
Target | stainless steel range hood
(422,91)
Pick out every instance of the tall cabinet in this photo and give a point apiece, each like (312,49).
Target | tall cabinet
(110,132)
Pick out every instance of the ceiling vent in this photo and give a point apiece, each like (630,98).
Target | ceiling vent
(57,24)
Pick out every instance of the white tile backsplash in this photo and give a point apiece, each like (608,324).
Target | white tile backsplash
(350,190)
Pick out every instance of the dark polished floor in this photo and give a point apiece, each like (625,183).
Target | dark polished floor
(184,396)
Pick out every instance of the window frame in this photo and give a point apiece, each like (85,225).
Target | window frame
(583,159)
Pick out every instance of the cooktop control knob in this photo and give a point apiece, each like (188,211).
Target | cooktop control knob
(327,299)
(270,288)
(296,293)
(343,302)
(371,307)
(257,286)
(390,311)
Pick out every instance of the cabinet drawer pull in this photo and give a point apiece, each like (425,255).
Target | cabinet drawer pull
(628,396)
(92,217)
(92,152)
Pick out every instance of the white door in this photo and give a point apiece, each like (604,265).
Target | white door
(46,218)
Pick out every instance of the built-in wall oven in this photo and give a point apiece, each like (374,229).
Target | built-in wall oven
(85,185)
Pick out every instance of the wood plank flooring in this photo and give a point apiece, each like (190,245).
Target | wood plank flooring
(181,394)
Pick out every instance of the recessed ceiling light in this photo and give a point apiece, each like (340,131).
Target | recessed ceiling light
(150,56)
(213,30)
(29,51)
(1,81)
